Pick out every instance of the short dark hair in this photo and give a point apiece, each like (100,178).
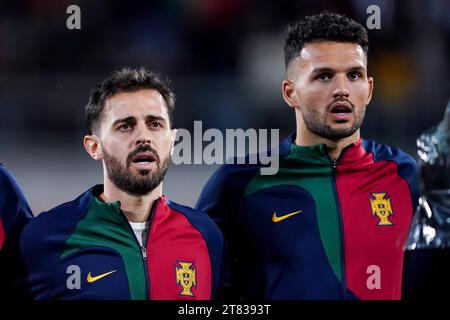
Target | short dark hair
(126,80)
(325,26)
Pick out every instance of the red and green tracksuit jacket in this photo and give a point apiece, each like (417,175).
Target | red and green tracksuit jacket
(318,229)
(86,249)
(14,215)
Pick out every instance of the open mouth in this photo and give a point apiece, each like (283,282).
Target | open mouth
(341,111)
(341,107)
(143,158)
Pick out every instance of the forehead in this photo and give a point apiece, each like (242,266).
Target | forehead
(331,54)
(138,104)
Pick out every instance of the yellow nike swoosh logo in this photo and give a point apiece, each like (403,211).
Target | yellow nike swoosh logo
(91,279)
(281,218)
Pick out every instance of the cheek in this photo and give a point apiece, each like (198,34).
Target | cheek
(118,149)
(314,97)
(163,146)
(361,94)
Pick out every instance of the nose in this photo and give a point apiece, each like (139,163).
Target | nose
(143,135)
(143,140)
(340,87)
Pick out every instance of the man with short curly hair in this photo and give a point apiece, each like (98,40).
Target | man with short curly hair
(332,222)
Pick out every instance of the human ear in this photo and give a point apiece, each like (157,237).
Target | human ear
(92,146)
(289,93)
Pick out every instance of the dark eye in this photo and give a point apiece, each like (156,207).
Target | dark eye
(324,76)
(124,127)
(156,124)
(354,75)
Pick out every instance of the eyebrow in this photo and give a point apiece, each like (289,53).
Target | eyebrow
(322,70)
(153,117)
(132,119)
(129,119)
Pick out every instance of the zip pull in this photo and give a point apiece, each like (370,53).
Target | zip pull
(144,253)
(334,163)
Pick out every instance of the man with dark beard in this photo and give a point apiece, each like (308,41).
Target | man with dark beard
(332,222)
(124,239)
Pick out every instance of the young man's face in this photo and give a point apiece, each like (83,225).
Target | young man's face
(136,140)
(329,86)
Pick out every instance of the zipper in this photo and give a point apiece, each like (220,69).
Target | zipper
(334,164)
(144,253)
(143,247)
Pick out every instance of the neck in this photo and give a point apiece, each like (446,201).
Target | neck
(304,138)
(135,208)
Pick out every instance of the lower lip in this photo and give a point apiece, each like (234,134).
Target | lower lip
(143,165)
(341,116)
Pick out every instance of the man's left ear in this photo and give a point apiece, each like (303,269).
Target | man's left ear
(173,139)
(369,98)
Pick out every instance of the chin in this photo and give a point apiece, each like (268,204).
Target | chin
(136,173)
(143,172)
(342,126)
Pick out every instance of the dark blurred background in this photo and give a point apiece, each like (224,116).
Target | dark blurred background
(225,61)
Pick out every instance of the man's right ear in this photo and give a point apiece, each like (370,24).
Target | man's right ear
(289,94)
(92,146)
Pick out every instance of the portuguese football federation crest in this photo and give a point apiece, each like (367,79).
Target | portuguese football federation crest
(186,277)
(381,207)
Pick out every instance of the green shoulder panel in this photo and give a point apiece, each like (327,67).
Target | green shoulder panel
(308,168)
(105,226)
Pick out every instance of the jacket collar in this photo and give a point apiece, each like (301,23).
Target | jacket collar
(317,154)
(114,208)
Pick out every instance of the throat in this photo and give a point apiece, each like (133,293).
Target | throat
(134,217)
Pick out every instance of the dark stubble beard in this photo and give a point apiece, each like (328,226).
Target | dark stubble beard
(141,184)
(315,122)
